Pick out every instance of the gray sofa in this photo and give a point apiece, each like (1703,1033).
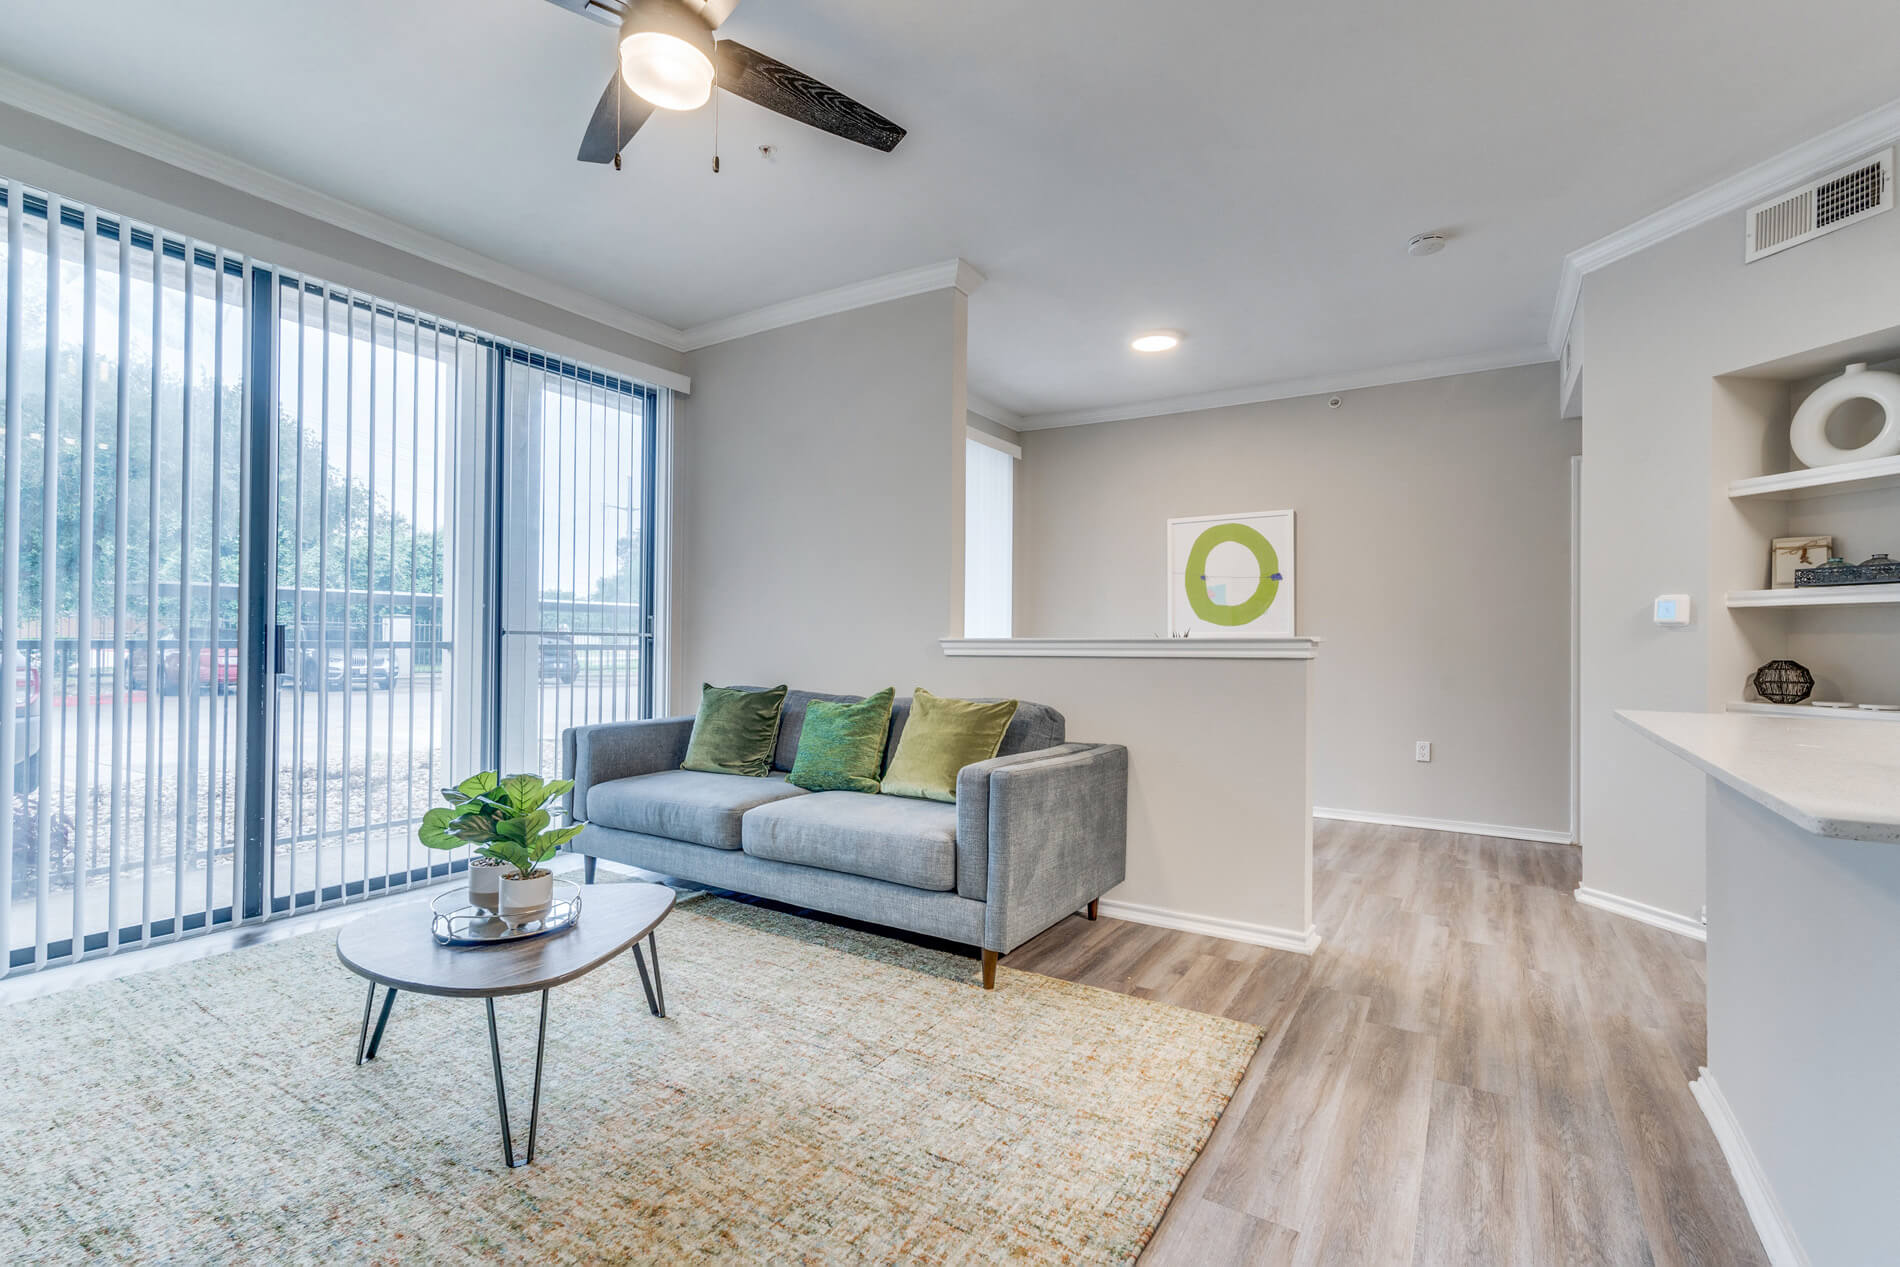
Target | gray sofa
(1037,833)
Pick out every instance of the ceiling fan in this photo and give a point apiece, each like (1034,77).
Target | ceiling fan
(669,60)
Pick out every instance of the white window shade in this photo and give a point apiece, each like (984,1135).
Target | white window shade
(988,540)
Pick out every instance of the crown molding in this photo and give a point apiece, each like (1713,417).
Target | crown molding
(949,274)
(1851,140)
(1290,388)
(110,125)
(983,406)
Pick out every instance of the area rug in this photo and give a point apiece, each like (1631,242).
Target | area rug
(815,1094)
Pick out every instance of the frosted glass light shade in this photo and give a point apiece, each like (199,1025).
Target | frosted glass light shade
(666,70)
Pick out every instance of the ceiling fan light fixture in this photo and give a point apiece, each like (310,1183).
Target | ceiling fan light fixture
(666,54)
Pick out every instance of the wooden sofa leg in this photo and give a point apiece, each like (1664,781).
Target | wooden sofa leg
(1095,907)
(587,870)
(989,969)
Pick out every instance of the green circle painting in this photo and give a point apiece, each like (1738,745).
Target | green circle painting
(1255,605)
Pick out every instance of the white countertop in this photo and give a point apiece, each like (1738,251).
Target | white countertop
(1822,776)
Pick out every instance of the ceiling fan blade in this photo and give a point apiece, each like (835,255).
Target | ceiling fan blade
(620,109)
(771,83)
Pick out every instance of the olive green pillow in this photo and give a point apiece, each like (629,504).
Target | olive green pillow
(841,746)
(734,731)
(941,737)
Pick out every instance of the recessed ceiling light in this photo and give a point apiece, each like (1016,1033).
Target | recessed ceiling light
(1156,341)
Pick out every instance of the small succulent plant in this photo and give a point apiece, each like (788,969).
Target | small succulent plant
(502,817)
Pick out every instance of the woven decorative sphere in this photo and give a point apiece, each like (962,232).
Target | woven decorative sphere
(1783,682)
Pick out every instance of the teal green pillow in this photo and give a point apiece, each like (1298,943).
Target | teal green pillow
(841,745)
(734,731)
(942,736)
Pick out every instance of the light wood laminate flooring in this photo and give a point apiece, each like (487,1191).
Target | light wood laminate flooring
(1473,1068)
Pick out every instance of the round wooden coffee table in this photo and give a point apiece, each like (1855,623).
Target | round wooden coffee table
(395,949)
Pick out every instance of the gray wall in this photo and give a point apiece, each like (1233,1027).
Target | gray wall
(1664,431)
(812,502)
(816,507)
(1433,537)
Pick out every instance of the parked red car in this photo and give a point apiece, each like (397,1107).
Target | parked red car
(224,679)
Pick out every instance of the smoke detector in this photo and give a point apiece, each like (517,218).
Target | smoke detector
(1426,244)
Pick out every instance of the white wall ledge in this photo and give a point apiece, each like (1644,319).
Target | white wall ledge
(1136,648)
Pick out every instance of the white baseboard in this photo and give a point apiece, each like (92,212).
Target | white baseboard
(1208,926)
(1629,908)
(1542,835)
(1777,1237)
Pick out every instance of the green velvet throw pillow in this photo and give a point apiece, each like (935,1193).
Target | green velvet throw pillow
(734,731)
(841,747)
(941,737)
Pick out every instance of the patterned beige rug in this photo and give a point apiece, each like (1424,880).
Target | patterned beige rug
(814,1095)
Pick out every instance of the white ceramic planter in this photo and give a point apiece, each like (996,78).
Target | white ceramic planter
(525,900)
(484,883)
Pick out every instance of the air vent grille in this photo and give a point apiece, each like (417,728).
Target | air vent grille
(1836,200)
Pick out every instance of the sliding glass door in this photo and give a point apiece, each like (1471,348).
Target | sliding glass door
(576,523)
(278,561)
(378,411)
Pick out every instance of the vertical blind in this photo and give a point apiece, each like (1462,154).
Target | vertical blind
(989,483)
(125,392)
(575,625)
(251,583)
(372,586)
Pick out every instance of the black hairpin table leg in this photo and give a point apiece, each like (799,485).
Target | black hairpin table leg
(367,1044)
(501,1090)
(655,988)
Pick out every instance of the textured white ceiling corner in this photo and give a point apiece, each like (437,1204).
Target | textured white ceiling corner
(1290,388)
(1837,146)
(983,406)
(914,281)
(1255,189)
(81,114)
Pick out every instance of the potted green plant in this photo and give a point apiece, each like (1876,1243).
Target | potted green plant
(504,819)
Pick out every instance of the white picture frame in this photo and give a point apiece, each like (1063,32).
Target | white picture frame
(1231,555)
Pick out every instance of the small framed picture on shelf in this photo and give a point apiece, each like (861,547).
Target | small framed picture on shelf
(1790,553)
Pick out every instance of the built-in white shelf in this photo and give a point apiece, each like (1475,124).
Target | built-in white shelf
(1808,710)
(1821,481)
(1817,596)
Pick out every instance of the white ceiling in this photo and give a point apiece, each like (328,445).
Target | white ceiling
(1246,172)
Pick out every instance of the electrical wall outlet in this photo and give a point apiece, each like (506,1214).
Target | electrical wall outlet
(1422,750)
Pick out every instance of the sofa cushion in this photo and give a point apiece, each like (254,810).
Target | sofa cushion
(1033,728)
(944,735)
(735,731)
(908,842)
(841,746)
(689,805)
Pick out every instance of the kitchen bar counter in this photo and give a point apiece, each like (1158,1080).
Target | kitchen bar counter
(1826,776)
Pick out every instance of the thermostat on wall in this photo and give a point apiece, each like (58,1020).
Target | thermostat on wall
(1672,610)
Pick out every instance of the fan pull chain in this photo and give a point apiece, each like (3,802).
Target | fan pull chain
(617,131)
(715,98)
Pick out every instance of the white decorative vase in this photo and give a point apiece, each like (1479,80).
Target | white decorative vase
(1808,434)
(525,900)
(484,883)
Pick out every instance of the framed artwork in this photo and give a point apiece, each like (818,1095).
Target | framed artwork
(1231,576)
(1789,553)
